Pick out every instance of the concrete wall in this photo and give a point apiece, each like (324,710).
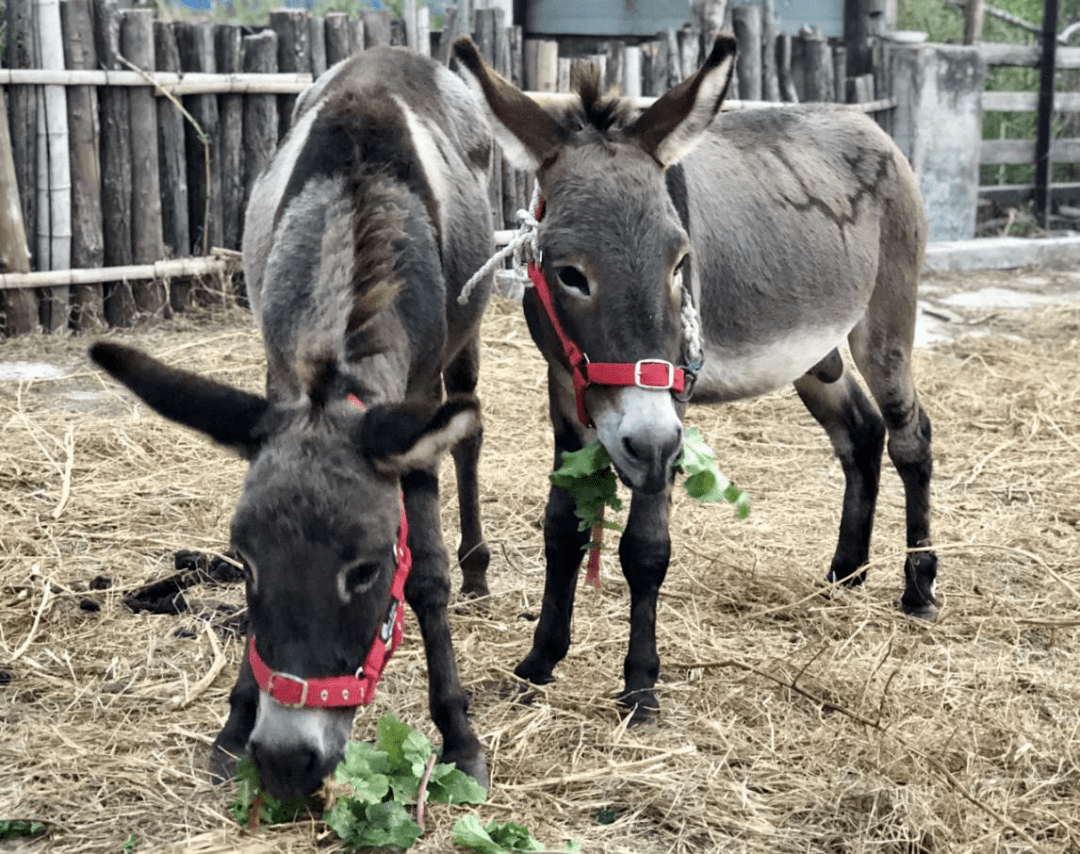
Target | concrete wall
(938,125)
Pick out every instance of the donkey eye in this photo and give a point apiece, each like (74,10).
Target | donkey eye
(358,578)
(574,279)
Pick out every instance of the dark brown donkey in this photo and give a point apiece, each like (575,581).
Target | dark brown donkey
(359,236)
(786,231)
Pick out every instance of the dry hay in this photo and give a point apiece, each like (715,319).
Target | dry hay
(790,723)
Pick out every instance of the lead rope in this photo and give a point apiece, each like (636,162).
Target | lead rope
(523,247)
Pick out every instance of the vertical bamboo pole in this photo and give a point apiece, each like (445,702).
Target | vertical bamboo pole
(55,146)
(87,239)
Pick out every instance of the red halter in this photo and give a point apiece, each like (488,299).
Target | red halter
(648,373)
(333,692)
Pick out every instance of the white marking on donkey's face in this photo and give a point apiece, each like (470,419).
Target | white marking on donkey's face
(285,731)
(641,431)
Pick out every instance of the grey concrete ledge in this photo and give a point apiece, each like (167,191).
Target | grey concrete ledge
(999,253)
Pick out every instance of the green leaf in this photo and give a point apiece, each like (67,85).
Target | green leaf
(450,785)
(498,838)
(388,825)
(16,829)
(703,480)
(129,844)
(588,477)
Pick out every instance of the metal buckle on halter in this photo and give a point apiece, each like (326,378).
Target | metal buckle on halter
(386,630)
(289,677)
(670,374)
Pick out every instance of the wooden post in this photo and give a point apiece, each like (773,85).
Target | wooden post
(658,80)
(18,308)
(489,22)
(423,31)
(631,74)
(1044,122)
(397,32)
(137,46)
(710,17)
(115,115)
(517,55)
(746,21)
(448,34)
(840,73)
(56,166)
(409,13)
(172,165)
(770,78)
(229,56)
(862,23)
(973,20)
(338,42)
(87,240)
(689,50)
(376,28)
(196,43)
(260,111)
(545,70)
(783,68)
(317,43)
(294,55)
(674,57)
(818,75)
(356,28)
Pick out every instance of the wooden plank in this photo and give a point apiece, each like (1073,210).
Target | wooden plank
(87,239)
(172,162)
(1028,102)
(1019,194)
(1027,55)
(192,83)
(137,45)
(229,56)
(115,116)
(216,264)
(997,152)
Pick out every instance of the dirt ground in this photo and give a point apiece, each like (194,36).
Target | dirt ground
(790,722)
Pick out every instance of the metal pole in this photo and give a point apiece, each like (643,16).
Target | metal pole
(1046,112)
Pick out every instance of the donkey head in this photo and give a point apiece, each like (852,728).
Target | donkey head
(317,528)
(614,246)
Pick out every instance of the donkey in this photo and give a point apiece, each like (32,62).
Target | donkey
(359,236)
(785,232)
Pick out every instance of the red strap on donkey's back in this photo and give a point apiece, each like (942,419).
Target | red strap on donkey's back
(331,692)
(648,373)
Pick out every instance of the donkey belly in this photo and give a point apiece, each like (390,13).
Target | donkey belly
(735,370)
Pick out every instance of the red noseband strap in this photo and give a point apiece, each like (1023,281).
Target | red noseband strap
(648,373)
(333,692)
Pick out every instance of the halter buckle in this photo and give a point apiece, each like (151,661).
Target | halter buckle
(667,385)
(303,683)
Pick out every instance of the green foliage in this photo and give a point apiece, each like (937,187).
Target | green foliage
(380,780)
(16,829)
(129,843)
(587,475)
(498,838)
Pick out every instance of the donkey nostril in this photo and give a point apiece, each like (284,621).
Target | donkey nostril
(630,448)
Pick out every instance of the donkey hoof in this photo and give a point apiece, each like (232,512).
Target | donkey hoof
(472,762)
(920,610)
(474,589)
(222,765)
(643,707)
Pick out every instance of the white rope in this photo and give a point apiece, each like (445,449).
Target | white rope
(523,247)
(691,322)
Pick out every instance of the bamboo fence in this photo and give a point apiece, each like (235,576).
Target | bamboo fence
(134,140)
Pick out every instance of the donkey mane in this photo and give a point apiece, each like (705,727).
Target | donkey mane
(600,111)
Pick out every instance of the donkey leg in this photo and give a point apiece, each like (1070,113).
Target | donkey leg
(857,433)
(473,553)
(428,592)
(644,552)
(889,379)
(564,548)
(231,742)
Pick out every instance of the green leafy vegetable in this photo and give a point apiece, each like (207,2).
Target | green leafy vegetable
(588,476)
(498,838)
(16,829)
(703,480)
(380,782)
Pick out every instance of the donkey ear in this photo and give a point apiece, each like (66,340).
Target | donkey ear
(401,437)
(671,127)
(225,414)
(527,134)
